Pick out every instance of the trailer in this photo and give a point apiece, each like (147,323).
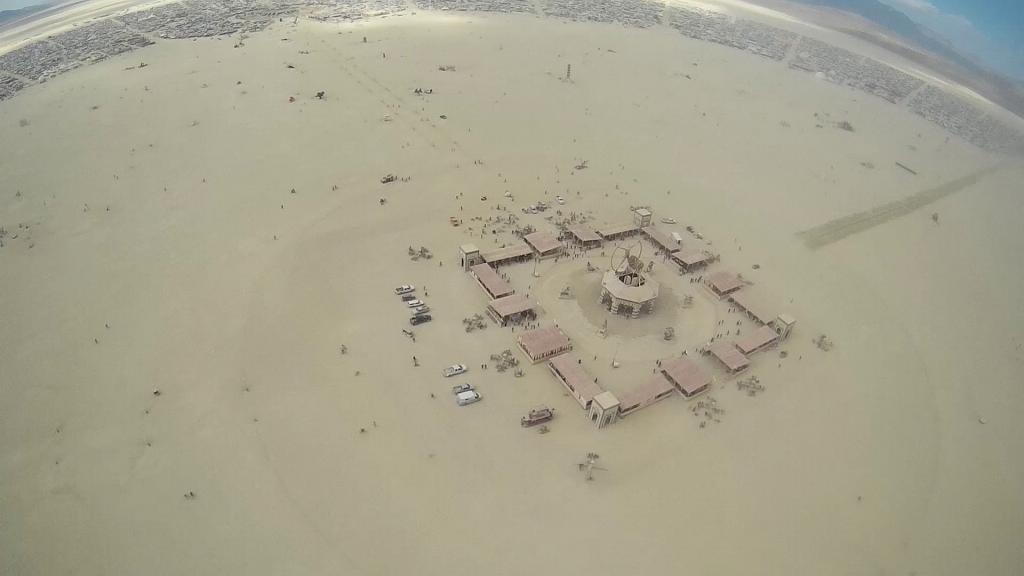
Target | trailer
(537,416)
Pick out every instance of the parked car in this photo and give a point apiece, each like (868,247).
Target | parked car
(668,220)
(404,289)
(420,319)
(560,200)
(454,370)
(420,310)
(408,297)
(460,388)
(413,303)
(467,397)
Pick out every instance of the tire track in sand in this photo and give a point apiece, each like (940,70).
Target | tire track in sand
(835,230)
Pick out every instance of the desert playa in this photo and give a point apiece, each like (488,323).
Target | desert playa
(205,367)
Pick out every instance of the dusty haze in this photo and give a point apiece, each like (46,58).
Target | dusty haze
(158,202)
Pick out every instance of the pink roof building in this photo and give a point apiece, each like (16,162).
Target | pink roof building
(543,343)
(544,244)
(493,284)
(616,231)
(660,239)
(691,259)
(752,304)
(726,353)
(723,283)
(763,337)
(584,235)
(508,254)
(577,381)
(657,388)
(510,307)
(686,376)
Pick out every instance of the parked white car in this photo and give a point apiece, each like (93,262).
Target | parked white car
(560,200)
(454,370)
(668,220)
(460,388)
(467,397)
(404,289)
(420,310)
(414,303)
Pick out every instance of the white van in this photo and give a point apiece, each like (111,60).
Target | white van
(467,397)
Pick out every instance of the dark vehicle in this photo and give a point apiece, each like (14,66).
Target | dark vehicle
(420,319)
(537,416)
(408,297)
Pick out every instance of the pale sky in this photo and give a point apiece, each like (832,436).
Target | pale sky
(990,30)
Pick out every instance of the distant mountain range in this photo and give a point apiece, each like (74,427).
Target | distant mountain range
(12,15)
(938,53)
(898,23)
